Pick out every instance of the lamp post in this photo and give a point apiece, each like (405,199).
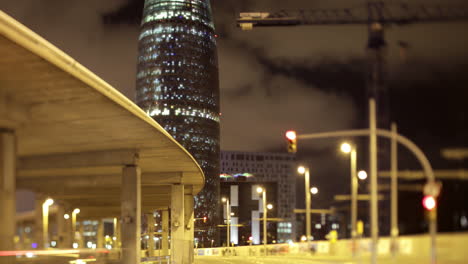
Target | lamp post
(305,171)
(351,149)
(74,213)
(228,220)
(264,206)
(45,221)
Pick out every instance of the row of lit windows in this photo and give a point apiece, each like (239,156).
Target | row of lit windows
(190,111)
(190,45)
(178,10)
(168,31)
(175,96)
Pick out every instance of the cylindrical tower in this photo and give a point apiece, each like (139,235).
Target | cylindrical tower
(177,85)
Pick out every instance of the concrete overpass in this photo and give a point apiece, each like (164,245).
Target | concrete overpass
(67,134)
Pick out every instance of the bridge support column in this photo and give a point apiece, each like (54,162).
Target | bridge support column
(150,230)
(189,228)
(100,234)
(81,240)
(165,233)
(177,224)
(117,241)
(38,224)
(7,192)
(131,214)
(63,233)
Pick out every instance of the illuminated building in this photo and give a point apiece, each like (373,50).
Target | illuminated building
(177,85)
(275,171)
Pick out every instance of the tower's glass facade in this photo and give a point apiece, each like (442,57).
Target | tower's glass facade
(177,85)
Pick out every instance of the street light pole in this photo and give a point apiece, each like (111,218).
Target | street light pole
(305,171)
(264,221)
(308,202)
(228,231)
(373,180)
(45,221)
(394,191)
(351,149)
(354,194)
(74,213)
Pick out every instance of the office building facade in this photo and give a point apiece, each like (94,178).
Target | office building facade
(178,86)
(273,170)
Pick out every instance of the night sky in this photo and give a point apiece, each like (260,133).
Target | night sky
(308,78)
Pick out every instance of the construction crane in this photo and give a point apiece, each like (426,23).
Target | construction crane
(376,15)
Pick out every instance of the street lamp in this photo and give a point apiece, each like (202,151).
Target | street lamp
(228,220)
(305,171)
(74,213)
(314,190)
(362,175)
(348,148)
(264,206)
(45,221)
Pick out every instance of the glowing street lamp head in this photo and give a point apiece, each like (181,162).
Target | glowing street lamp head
(269,206)
(259,189)
(224,199)
(49,202)
(66,216)
(314,190)
(346,147)
(291,135)
(301,169)
(362,175)
(76,211)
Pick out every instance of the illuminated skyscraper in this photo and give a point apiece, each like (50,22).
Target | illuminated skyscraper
(177,85)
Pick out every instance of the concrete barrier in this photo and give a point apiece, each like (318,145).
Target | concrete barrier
(451,247)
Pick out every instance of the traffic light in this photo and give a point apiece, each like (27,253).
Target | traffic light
(291,137)
(429,202)
(204,219)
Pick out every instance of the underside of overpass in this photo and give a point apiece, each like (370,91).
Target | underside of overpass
(68,135)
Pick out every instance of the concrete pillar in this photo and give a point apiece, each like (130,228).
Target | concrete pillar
(68,234)
(81,239)
(131,213)
(23,238)
(100,234)
(38,222)
(117,241)
(189,225)
(165,233)
(177,224)
(7,192)
(150,231)
(61,228)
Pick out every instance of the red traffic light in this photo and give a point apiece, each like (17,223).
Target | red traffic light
(429,202)
(291,135)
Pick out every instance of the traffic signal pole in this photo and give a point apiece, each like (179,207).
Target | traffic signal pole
(413,148)
(373,180)
(394,192)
